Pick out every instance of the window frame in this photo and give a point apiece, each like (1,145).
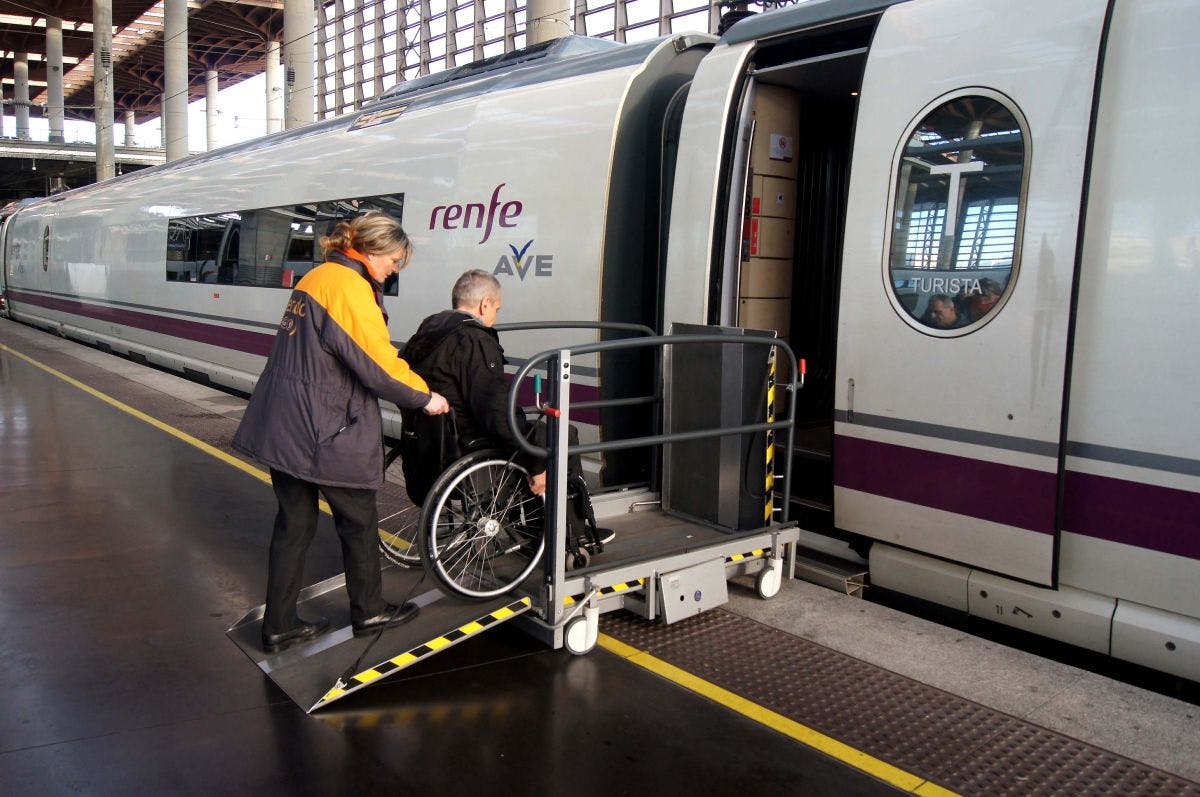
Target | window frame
(1022,205)
(233,231)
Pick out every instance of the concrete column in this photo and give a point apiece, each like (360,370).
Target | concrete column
(299,21)
(21,93)
(102,86)
(55,107)
(546,20)
(274,88)
(210,106)
(175,81)
(130,123)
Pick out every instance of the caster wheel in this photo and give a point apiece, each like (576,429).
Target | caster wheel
(579,560)
(768,582)
(576,637)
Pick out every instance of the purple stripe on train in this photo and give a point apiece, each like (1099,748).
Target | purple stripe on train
(1133,513)
(1142,515)
(986,490)
(239,340)
(579,392)
(213,334)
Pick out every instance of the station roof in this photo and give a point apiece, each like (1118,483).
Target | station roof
(229,36)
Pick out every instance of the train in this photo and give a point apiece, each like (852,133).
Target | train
(972,220)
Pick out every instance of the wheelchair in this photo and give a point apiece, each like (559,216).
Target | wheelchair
(398,531)
(482,531)
(477,528)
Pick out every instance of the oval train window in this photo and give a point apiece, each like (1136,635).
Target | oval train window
(957,211)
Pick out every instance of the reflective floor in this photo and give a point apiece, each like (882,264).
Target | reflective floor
(126,553)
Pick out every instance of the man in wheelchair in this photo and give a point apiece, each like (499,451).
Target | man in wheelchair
(459,354)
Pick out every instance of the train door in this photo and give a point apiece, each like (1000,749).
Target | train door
(758,208)
(957,279)
(4,265)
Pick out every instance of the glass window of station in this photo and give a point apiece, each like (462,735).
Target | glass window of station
(958,205)
(266,247)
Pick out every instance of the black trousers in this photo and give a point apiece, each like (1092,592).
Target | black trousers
(356,518)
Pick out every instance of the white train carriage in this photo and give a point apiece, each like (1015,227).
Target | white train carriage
(988,200)
(973,220)
(531,165)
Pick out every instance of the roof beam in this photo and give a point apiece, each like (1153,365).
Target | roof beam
(277,5)
(17,20)
(67,59)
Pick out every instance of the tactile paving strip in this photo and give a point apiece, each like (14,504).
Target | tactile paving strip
(954,742)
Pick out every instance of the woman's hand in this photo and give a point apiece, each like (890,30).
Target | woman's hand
(537,483)
(437,405)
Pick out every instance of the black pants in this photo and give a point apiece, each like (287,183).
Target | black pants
(356,518)
(574,461)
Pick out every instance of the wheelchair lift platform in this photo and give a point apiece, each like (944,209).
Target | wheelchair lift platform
(661,567)
(715,518)
(320,671)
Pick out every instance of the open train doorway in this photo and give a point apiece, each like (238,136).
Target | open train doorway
(800,111)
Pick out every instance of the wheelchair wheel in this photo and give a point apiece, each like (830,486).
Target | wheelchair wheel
(481,528)
(398,529)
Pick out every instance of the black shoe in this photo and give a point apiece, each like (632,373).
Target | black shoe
(273,643)
(603,536)
(385,618)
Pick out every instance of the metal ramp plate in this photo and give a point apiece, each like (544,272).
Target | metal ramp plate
(312,672)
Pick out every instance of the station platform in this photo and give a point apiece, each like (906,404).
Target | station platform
(132,538)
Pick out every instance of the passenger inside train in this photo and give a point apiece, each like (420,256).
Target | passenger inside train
(943,313)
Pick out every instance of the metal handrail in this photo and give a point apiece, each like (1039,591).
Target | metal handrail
(661,342)
(616,326)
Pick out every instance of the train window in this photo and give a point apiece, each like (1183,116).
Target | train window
(46,249)
(193,245)
(956,219)
(265,247)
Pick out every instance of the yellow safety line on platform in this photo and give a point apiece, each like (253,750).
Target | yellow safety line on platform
(789,727)
(245,467)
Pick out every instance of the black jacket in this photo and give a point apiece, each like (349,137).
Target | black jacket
(462,359)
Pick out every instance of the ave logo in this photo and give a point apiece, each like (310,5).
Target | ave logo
(523,261)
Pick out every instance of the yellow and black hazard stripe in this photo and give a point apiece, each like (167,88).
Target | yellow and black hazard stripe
(612,589)
(769,508)
(741,557)
(410,657)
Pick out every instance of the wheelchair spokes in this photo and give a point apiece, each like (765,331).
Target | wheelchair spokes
(482,528)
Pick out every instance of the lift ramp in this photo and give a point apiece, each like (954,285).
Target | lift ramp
(321,671)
